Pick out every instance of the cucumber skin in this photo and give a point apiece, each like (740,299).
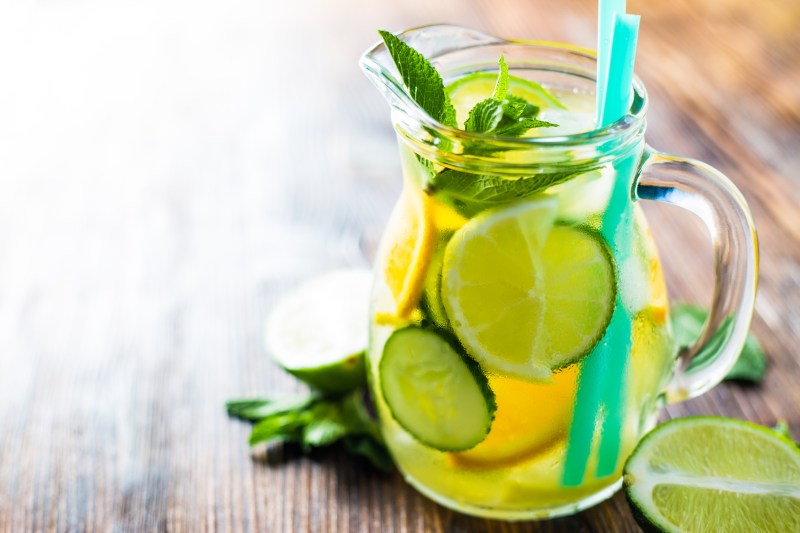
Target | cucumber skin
(474,369)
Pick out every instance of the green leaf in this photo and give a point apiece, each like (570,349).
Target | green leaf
(449,117)
(281,426)
(511,117)
(325,426)
(359,420)
(501,87)
(423,82)
(323,432)
(370,448)
(316,421)
(687,324)
(517,108)
(255,409)
(485,116)
(508,128)
(471,193)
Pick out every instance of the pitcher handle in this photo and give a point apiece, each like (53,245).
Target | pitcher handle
(711,196)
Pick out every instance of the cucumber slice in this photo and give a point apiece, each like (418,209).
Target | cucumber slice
(437,393)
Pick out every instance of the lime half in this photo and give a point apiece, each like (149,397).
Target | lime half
(526,295)
(319,332)
(714,474)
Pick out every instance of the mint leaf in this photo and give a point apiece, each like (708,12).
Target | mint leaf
(519,108)
(485,116)
(471,193)
(687,324)
(325,426)
(507,118)
(315,421)
(449,117)
(281,426)
(501,87)
(255,409)
(423,82)
(520,116)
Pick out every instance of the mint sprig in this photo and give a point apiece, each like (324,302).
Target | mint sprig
(503,114)
(315,421)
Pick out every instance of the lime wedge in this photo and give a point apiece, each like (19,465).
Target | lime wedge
(524,295)
(319,332)
(431,302)
(714,474)
(467,91)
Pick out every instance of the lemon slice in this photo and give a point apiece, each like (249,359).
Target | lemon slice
(465,92)
(411,235)
(531,418)
(524,295)
(706,473)
(319,332)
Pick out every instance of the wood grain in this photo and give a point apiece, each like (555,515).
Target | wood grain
(168,170)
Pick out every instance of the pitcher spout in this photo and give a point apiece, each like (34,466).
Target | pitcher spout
(432,42)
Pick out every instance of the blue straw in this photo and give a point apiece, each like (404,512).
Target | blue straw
(618,97)
(607,9)
(619,80)
(603,373)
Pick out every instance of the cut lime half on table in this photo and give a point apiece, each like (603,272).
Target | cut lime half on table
(525,294)
(319,332)
(712,474)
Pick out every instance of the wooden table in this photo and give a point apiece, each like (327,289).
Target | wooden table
(168,170)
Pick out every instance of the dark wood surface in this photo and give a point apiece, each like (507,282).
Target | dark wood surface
(168,170)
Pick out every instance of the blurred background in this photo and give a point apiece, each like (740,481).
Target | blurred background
(169,169)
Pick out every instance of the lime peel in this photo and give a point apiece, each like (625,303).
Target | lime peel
(714,474)
(319,332)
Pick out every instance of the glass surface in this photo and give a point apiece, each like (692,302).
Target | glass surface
(557,443)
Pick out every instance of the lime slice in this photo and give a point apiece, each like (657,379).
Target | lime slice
(714,474)
(319,332)
(431,302)
(437,393)
(467,91)
(524,295)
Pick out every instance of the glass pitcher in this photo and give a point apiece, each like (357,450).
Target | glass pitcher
(520,339)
